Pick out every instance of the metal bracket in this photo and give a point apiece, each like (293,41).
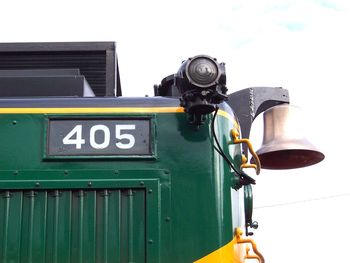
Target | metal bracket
(248,103)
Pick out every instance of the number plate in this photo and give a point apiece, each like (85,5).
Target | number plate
(94,137)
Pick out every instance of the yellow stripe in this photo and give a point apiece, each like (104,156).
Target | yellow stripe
(105,110)
(228,116)
(90,110)
(100,110)
(226,254)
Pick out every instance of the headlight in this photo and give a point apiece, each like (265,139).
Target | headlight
(202,71)
(200,84)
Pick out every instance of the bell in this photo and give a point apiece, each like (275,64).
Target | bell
(284,144)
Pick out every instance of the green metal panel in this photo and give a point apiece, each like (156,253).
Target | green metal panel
(185,189)
(95,225)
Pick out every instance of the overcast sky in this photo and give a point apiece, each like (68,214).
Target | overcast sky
(301,45)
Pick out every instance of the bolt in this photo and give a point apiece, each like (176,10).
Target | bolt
(254,225)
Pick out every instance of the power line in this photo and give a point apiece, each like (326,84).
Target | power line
(303,201)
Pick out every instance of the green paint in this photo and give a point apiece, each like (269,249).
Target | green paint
(175,207)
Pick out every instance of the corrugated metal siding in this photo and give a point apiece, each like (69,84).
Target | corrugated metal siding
(72,226)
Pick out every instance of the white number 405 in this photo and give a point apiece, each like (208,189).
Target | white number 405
(125,140)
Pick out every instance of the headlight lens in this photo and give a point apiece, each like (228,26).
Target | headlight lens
(202,71)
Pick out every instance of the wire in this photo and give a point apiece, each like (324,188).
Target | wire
(303,201)
(218,147)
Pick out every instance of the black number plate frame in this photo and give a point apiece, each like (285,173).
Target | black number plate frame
(100,137)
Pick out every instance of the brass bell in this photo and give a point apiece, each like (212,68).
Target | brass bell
(284,144)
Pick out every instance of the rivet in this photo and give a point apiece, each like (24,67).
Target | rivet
(142,183)
(150,191)
(14,122)
(150,241)
(89,184)
(65,172)
(15,172)
(37,184)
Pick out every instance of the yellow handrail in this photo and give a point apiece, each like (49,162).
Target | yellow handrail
(245,163)
(248,256)
(258,256)
(236,139)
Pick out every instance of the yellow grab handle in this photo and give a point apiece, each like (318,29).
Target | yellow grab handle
(236,139)
(258,256)
(248,256)
(245,163)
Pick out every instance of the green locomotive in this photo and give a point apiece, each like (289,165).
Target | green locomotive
(87,175)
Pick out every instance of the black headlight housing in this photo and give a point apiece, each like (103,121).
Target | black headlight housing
(201,82)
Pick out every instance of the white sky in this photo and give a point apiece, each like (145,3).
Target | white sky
(301,45)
